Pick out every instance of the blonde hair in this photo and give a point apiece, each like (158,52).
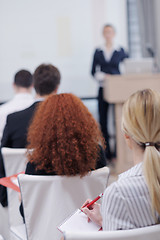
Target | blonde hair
(141,121)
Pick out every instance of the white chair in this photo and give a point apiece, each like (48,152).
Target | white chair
(1,238)
(147,233)
(14,162)
(48,200)
(18,232)
(4,222)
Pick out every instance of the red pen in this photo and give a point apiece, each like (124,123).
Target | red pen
(95,200)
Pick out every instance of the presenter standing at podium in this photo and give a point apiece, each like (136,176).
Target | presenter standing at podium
(106,60)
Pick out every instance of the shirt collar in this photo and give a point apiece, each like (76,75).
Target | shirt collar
(137,170)
(22,95)
(39,99)
(115,48)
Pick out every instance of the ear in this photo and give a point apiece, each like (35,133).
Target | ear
(128,140)
(14,87)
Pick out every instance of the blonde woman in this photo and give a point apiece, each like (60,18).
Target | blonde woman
(134,200)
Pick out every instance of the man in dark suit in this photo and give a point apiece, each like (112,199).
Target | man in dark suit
(46,81)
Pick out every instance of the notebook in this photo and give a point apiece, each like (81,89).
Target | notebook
(11,182)
(78,221)
(15,181)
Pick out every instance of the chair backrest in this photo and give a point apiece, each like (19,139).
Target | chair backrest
(1,238)
(48,200)
(14,162)
(146,233)
(4,222)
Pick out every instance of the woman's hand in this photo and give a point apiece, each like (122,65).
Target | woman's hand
(93,212)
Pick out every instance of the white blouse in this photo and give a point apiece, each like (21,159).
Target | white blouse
(126,203)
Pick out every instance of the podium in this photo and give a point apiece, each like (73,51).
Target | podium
(117,89)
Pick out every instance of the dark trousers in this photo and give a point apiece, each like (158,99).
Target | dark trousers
(103,108)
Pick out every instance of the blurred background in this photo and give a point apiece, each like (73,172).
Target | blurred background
(65,33)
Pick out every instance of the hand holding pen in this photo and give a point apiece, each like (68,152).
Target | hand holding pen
(92,210)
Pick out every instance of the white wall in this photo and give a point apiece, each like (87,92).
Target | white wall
(116,13)
(62,32)
(157,27)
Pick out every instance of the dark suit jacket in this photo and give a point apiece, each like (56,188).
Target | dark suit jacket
(15,136)
(15,132)
(111,66)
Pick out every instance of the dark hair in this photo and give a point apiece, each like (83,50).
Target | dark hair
(23,78)
(46,79)
(109,25)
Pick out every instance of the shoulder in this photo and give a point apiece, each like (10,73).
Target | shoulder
(30,169)
(122,52)
(125,187)
(19,114)
(132,187)
(5,107)
(98,50)
(119,49)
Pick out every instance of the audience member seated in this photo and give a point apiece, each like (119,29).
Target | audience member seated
(46,80)
(134,200)
(65,138)
(23,98)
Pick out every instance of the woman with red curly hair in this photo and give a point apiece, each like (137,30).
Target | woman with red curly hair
(65,138)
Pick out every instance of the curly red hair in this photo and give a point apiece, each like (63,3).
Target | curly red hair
(65,136)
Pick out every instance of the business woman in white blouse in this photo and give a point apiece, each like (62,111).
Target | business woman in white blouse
(106,60)
(134,200)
